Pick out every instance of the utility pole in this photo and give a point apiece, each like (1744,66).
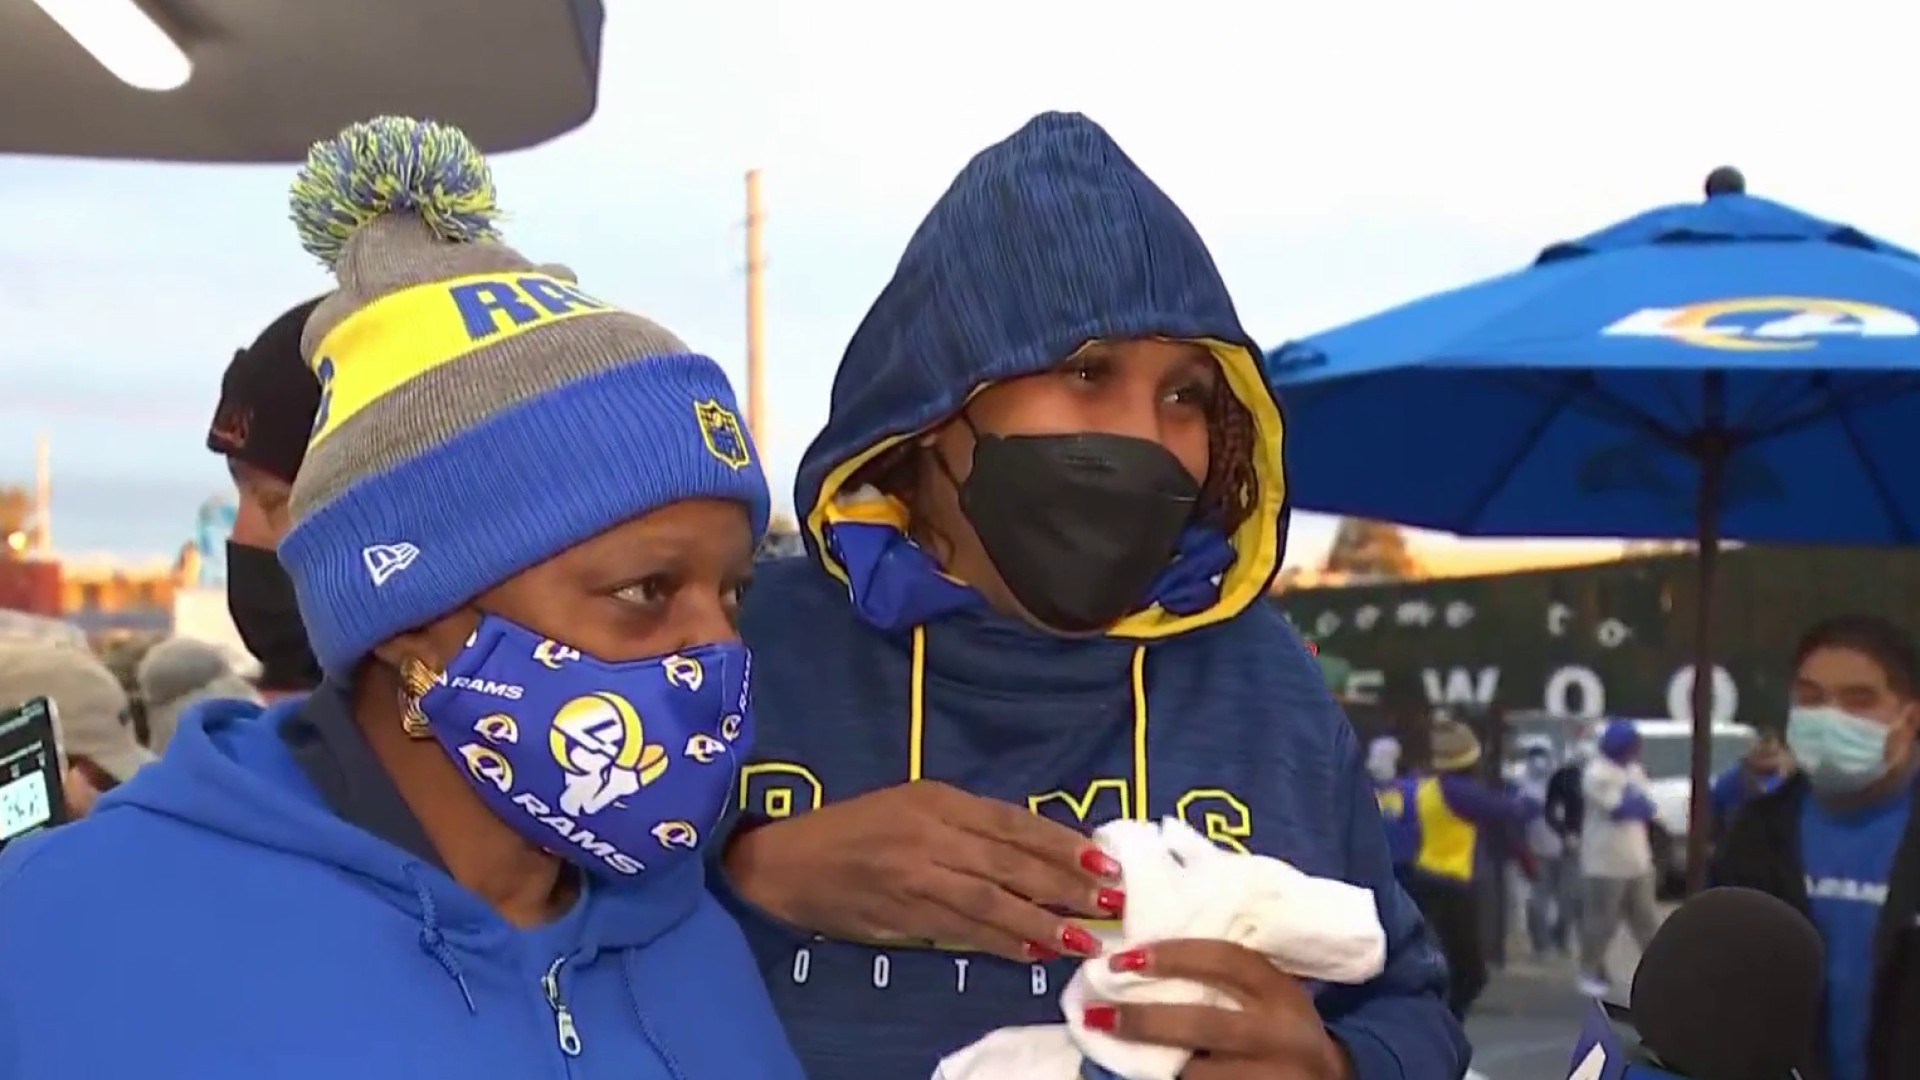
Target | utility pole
(756,318)
(43,497)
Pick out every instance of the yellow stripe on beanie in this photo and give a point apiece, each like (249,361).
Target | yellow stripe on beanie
(408,333)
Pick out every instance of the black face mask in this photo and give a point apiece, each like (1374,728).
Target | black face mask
(1078,526)
(260,599)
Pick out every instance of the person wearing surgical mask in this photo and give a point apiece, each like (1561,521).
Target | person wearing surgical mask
(1839,839)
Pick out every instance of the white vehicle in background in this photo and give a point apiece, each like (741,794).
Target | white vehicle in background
(1667,754)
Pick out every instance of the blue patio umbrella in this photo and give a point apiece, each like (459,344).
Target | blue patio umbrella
(1729,368)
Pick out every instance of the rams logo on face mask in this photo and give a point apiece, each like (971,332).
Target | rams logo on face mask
(552,654)
(676,834)
(721,431)
(684,672)
(498,728)
(730,727)
(488,766)
(704,748)
(598,741)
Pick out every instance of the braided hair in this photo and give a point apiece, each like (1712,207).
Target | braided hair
(1232,488)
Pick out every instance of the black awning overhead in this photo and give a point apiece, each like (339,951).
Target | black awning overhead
(268,78)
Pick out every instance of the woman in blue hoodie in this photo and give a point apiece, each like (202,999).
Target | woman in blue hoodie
(1041,522)
(520,534)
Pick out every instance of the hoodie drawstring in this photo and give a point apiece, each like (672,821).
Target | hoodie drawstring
(917,720)
(432,941)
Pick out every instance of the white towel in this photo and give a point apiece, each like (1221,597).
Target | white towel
(1181,886)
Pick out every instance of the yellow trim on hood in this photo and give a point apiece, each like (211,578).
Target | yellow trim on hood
(1256,541)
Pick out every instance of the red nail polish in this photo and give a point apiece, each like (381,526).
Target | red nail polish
(1100,864)
(1039,952)
(1075,940)
(1131,960)
(1100,1017)
(1111,901)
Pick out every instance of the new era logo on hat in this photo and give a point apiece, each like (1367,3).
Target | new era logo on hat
(385,560)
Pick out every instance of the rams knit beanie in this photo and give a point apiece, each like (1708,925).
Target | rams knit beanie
(478,414)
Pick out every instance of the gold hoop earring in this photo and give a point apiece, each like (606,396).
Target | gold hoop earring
(417,679)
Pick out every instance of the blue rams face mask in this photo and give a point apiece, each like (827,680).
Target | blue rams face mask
(618,768)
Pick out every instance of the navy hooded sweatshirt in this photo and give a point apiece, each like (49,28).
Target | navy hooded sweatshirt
(1045,242)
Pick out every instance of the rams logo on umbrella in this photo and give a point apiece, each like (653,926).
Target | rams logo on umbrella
(598,741)
(1766,323)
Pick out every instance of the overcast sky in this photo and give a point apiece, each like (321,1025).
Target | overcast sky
(1338,157)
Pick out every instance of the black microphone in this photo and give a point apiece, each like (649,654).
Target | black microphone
(1730,988)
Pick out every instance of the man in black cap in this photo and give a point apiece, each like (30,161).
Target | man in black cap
(267,403)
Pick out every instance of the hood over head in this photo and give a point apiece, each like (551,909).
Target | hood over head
(1046,242)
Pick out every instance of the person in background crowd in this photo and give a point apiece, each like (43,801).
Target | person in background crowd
(1547,925)
(179,673)
(268,400)
(90,709)
(1839,839)
(1041,522)
(1383,759)
(120,654)
(1616,855)
(519,541)
(1762,770)
(1564,813)
(1455,808)
(1395,795)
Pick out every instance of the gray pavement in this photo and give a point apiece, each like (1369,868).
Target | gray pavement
(1525,1025)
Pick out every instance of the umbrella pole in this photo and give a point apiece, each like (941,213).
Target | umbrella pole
(1712,459)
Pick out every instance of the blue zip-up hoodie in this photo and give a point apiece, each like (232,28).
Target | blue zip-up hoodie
(1211,711)
(213,918)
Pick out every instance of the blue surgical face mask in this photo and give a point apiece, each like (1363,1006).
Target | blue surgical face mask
(1841,753)
(618,768)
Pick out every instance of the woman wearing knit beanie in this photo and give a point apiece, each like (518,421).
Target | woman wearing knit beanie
(519,536)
